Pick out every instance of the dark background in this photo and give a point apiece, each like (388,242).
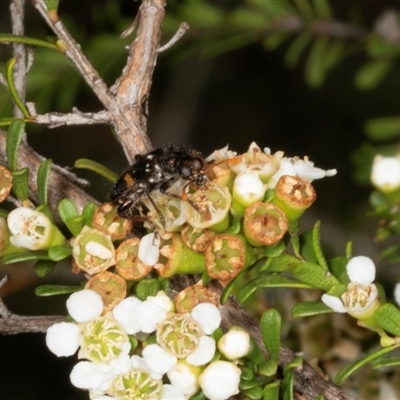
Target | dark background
(234,97)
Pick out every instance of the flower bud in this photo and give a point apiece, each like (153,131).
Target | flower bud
(93,251)
(185,376)
(293,195)
(247,189)
(106,220)
(5,183)
(264,224)
(385,175)
(235,343)
(220,380)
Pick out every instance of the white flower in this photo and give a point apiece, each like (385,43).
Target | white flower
(170,392)
(30,229)
(63,339)
(204,352)
(185,377)
(94,377)
(235,343)
(149,249)
(397,293)
(303,168)
(208,316)
(85,305)
(361,298)
(125,313)
(221,154)
(385,174)
(220,380)
(158,360)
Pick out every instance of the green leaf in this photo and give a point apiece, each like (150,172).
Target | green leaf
(378,47)
(322,9)
(271,332)
(315,66)
(4,213)
(275,280)
(255,393)
(385,362)
(246,18)
(271,391)
(275,39)
(238,281)
(21,183)
(310,308)
(146,288)
(338,268)
(304,8)
(94,166)
(317,245)
(315,276)
(30,41)
(388,317)
(52,290)
(296,48)
(246,291)
(43,180)
(274,9)
(44,267)
(307,247)
(15,134)
(70,216)
(24,256)
(275,250)
(268,368)
(288,378)
(372,74)
(13,90)
(383,129)
(349,369)
(255,354)
(58,253)
(202,14)
(87,214)
(285,262)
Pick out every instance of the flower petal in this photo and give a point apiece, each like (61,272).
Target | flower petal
(333,302)
(361,269)
(85,305)
(208,316)
(63,339)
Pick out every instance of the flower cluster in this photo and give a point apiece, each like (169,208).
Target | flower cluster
(169,347)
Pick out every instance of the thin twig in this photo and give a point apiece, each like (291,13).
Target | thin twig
(11,324)
(183,27)
(54,120)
